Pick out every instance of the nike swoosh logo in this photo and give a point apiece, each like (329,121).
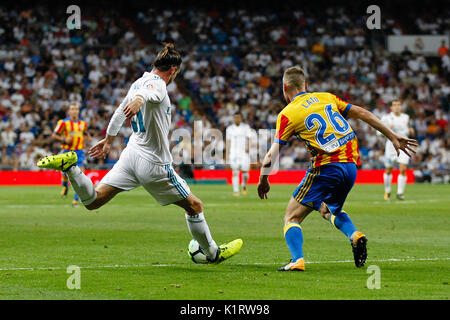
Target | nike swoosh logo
(62,164)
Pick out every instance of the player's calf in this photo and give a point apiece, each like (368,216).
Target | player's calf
(199,230)
(401,182)
(387,179)
(191,204)
(197,225)
(296,212)
(235,182)
(65,186)
(104,193)
(357,239)
(245,176)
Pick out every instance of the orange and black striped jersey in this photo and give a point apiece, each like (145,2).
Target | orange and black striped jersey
(76,130)
(318,118)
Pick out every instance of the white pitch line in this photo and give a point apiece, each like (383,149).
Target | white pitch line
(399,202)
(215,204)
(235,264)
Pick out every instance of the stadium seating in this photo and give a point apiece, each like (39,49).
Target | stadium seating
(233,60)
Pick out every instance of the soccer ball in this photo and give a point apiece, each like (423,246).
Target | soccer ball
(196,253)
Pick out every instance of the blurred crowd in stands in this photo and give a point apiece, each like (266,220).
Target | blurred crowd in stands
(232,61)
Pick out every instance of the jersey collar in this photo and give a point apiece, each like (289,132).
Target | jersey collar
(147,74)
(299,94)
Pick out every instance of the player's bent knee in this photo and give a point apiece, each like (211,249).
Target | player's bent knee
(296,212)
(292,216)
(289,218)
(324,211)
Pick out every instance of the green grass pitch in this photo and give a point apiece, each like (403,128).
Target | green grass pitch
(134,249)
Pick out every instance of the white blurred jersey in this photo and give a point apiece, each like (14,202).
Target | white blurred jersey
(398,124)
(152,123)
(239,139)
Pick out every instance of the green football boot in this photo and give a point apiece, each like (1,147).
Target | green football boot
(227,250)
(60,162)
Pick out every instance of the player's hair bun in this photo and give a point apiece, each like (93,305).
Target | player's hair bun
(168,46)
(167,57)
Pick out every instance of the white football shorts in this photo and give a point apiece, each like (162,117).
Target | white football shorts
(161,181)
(241,162)
(391,157)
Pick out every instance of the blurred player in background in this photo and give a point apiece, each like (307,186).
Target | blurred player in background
(146,161)
(238,137)
(399,123)
(319,119)
(70,132)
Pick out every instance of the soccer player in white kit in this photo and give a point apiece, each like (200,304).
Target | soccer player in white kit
(146,161)
(399,123)
(238,137)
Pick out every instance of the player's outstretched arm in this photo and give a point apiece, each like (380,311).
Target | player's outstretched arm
(399,142)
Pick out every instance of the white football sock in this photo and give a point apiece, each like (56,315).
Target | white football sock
(235,181)
(82,185)
(387,182)
(401,181)
(200,231)
(244,179)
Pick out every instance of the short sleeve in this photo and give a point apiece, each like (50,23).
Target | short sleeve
(285,129)
(343,106)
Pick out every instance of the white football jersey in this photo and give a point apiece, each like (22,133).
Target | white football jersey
(398,124)
(151,125)
(239,139)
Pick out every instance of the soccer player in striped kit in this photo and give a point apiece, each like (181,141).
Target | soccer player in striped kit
(320,120)
(71,132)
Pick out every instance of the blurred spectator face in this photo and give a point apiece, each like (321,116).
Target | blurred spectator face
(396,107)
(237,118)
(74,111)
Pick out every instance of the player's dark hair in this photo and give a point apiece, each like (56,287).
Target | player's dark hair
(167,58)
